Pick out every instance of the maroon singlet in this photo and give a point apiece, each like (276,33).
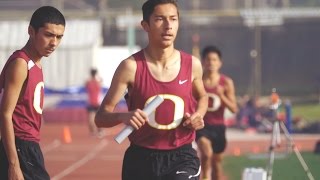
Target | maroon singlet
(93,89)
(215,112)
(27,114)
(164,129)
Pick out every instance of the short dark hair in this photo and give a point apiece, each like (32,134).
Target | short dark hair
(46,14)
(93,72)
(211,49)
(149,5)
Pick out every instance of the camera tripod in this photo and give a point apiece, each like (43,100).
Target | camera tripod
(276,140)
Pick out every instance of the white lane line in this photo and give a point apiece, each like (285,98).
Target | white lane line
(82,161)
(56,143)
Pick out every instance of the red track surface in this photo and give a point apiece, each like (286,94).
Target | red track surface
(90,158)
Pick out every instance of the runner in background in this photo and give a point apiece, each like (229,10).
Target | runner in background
(212,138)
(94,89)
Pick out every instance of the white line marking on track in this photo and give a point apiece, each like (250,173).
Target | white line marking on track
(82,161)
(56,143)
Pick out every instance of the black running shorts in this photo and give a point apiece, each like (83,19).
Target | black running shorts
(30,159)
(148,164)
(216,134)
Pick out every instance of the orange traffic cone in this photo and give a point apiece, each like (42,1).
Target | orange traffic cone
(66,135)
(236,151)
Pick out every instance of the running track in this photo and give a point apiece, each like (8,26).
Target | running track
(88,157)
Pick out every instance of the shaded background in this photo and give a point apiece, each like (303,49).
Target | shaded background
(265,43)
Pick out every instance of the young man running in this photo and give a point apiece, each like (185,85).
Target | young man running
(161,144)
(21,83)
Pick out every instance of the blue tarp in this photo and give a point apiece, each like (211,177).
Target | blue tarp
(74,96)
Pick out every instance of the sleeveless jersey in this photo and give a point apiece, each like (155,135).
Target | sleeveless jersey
(93,89)
(215,112)
(164,129)
(28,111)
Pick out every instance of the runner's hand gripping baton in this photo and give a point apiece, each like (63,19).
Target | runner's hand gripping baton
(127,130)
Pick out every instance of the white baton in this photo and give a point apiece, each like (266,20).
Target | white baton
(127,130)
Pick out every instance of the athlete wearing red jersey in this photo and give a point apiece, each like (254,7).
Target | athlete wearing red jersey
(93,87)
(161,143)
(212,138)
(21,83)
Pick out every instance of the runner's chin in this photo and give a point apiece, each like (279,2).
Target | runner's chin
(48,52)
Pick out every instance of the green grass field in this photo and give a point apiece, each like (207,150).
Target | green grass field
(309,112)
(285,168)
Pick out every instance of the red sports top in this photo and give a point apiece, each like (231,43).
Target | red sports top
(28,111)
(164,129)
(93,89)
(215,112)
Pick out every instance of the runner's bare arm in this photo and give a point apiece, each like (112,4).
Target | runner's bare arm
(122,80)
(15,76)
(229,97)
(195,120)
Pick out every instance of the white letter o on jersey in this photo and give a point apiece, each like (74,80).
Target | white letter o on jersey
(178,113)
(37,97)
(216,102)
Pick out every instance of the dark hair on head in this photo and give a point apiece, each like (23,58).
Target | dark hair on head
(46,14)
(211,49)
(149,5)
(93,72)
